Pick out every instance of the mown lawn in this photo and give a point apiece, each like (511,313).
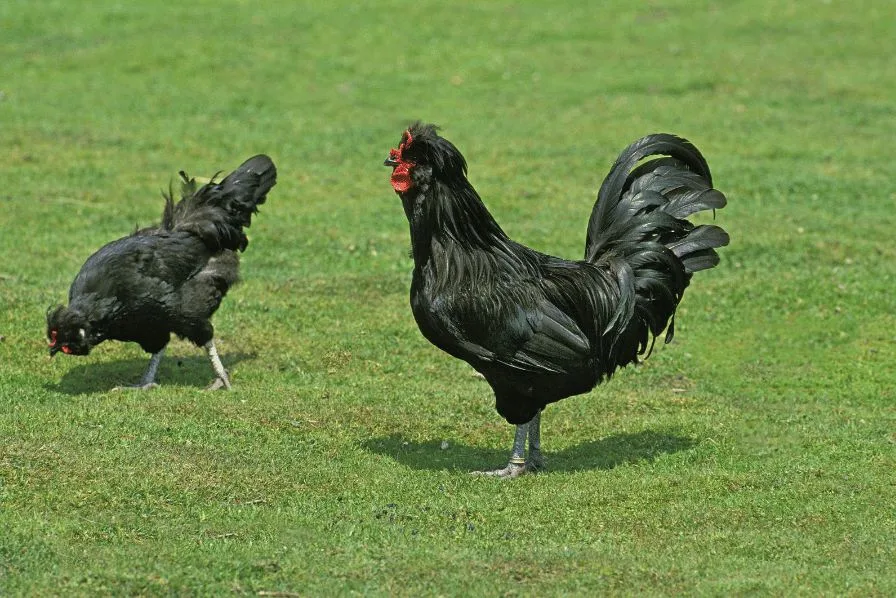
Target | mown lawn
(754,455)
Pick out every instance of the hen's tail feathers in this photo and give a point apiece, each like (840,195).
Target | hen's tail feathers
(218,211)
(639,228)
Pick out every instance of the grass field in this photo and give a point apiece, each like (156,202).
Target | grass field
(753,456)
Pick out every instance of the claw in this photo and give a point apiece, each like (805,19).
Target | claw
(219,383)
(518,465)
(535,462)
(511,471)
(223,380)
(147,386)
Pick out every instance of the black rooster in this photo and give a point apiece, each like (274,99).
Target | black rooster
(169,278)
(537,327)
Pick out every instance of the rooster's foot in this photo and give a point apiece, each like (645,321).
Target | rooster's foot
(535,462)
(513,470)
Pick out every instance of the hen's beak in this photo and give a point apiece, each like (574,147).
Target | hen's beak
(54,349)
(390,161)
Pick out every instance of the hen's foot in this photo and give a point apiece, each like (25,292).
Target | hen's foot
(148,381)
(144,386)
(222,380)
(218,384)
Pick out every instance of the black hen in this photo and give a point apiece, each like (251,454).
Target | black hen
(537,327)
(169,278)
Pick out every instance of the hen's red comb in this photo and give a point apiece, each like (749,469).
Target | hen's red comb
(404,144)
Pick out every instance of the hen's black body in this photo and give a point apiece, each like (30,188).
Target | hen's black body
(166,279)
(540,328)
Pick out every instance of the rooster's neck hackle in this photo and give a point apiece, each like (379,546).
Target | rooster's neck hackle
(442,206)
(446,213)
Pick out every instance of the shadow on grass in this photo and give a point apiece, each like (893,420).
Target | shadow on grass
(195,370)
(605,453)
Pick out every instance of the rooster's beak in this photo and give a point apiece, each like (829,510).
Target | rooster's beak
(390,161)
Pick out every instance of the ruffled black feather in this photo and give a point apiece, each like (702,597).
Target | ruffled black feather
(166,278)
(218,212)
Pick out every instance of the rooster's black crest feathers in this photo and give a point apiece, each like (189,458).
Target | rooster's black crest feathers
(430,149)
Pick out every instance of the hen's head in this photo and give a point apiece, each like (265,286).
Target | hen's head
(421,156)
(67,331)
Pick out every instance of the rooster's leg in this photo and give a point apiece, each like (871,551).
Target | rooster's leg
(517,465)
(222,380)
(536,459)
(149,376)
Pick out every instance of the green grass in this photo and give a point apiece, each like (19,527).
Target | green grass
(754,455)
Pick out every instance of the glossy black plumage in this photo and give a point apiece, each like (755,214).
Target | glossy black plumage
(165,279)
(541,328)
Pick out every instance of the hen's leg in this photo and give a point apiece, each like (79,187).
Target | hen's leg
(222,380)
(536,459)
(149,376)
(517,465)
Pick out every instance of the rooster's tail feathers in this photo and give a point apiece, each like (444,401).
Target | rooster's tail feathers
(651,202)
(622,175)
(218,211)
(639,228)
(697,250)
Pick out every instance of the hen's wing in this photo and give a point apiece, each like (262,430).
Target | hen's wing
(142,268)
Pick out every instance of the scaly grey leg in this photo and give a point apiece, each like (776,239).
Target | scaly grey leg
(517,464)
(222,380)
(149,376)
(536,459)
